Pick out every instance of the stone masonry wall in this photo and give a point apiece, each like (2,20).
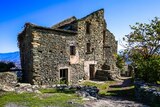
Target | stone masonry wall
(8,79)
(26,55)
(94,37)
(110,48)
(52,54)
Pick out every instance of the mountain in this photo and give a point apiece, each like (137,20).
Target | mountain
(12,57)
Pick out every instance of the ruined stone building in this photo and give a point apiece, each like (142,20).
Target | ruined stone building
(69,51)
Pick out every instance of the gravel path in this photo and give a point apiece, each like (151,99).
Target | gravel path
(113,102)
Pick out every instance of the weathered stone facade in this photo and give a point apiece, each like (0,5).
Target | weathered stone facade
(71,50)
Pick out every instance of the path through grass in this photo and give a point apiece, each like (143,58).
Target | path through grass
(124,88)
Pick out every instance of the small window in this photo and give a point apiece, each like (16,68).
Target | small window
(72,50)
(88,25)
(88,47)
(39,51)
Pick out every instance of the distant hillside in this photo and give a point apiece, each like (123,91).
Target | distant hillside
(12,56)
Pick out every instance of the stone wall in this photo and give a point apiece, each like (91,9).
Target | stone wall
(94,37)
(110,47)
(51,55)
(147,93)
(8,78)
(26,56)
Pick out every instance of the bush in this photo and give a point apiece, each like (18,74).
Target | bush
(149,69)
(6,66)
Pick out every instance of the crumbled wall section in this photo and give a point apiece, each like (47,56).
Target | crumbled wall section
(45,51)
(8,79)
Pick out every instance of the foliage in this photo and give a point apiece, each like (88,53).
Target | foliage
(120,61)
(6,66)
(39,100)
(143,48)
(149,69)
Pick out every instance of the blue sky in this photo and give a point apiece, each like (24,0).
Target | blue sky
(119,14)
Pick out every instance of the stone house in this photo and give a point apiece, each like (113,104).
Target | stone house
(69,51)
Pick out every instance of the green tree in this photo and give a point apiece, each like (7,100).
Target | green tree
(6,66)
(143,48)
(120,61)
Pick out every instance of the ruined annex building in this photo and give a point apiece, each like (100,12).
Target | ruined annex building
(69,51)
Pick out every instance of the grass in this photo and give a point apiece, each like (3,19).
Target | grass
(54,90)
(49,97)
(55,97)
(103,87)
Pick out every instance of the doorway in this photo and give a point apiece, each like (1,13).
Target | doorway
(92,71)
(63,76)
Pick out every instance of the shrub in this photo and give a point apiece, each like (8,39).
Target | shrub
(6,66)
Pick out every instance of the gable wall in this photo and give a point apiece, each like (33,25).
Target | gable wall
(95,37)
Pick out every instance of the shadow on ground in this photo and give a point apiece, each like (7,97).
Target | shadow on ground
(123,89)
(126,83)
(126,94)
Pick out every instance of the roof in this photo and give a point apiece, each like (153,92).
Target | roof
(47,28)
(95,12)
(65,22)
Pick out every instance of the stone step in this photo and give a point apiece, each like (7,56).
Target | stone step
(101,75)
(101,78)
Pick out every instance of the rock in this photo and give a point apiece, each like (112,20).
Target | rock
(35,87)
(6,88)
(92,98)
(30,90)
(147,93)
(82,93)
(53,86)
(85,99)
(45,86)
(88,92)
(24,85)
(37,91)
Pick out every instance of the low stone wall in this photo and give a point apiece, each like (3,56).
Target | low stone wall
(8,78)
(147,93)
